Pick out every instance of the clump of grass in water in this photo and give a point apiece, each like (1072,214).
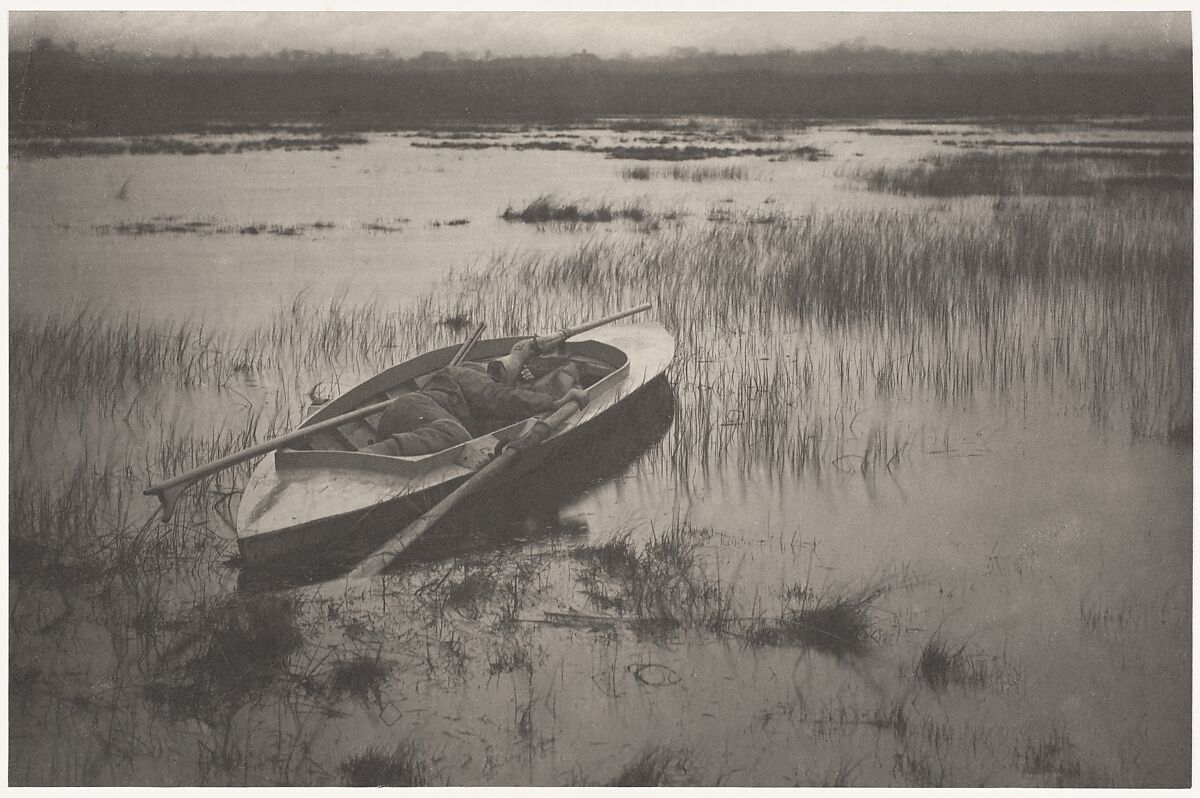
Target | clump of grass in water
(237,646)
(702,174)
(546,209)
(696,153)
(617,557)
(403,767)
(656,767)
(890,131)
(918,769)
(833,621)
(476,587)
(662,586)
(508,659)
(456,322)
(941,665)
(1054,757)
(694,174)
(361,677)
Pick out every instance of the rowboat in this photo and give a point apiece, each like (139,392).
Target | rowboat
(325,494)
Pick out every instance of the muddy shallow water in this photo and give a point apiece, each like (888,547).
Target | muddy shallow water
(1008,478)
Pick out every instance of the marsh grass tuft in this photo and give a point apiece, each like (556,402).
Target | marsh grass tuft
(467,595)
(361,677)
(233,647)
(694,174)
(835,621)
(403,767)
(617,557)
(657,767)
(456,322)
(546,209)
(663,586)
(890,131)
(919,769)
(941,664)
(1055,757)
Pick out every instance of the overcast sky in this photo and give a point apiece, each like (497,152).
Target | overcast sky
(606,34)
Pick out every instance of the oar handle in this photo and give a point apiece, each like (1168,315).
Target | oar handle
(465,349)
(554,339)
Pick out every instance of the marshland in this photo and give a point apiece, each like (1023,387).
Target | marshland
(912,508)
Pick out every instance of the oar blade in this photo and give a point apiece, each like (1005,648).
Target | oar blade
(168,497)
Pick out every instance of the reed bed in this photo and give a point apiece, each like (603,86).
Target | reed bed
(74,147)
(693,174)
(786,331)
(1046,172)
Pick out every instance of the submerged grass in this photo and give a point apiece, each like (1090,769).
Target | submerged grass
(375,767)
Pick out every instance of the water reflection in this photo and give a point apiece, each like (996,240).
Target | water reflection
(528,511)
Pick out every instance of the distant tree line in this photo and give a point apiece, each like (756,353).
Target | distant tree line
(58,88)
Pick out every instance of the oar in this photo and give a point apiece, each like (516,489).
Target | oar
(552,340)
(505,369)
(168,492)
(378,560)
(465,349)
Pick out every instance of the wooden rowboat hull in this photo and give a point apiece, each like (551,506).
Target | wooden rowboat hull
(332,500)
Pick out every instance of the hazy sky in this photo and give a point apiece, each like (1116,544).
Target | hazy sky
(606,34)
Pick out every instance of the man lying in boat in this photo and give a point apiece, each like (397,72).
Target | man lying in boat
(459,403)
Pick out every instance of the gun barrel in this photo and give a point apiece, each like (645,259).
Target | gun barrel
(554,339)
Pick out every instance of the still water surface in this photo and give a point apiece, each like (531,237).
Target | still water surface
(1053,546)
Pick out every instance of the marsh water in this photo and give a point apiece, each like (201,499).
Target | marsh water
(996,467)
